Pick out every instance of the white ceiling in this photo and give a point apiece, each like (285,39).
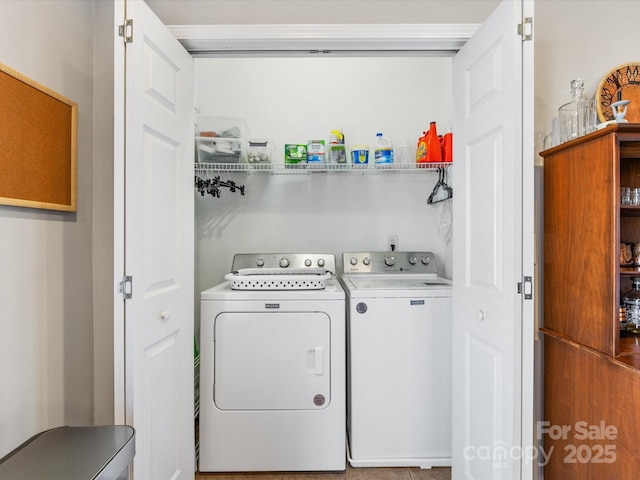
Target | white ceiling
(240,12)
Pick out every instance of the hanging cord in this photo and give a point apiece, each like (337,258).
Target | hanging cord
(213,186)
(441,191)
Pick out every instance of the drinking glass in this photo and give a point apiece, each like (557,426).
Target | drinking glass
(625,196)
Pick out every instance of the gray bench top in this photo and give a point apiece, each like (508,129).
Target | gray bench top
(72,453)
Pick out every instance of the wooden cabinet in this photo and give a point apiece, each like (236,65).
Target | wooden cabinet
(591,406)
(591,375)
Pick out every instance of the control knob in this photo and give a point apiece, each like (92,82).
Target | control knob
(353,261)
(413,260)
(426,260)
(284,262)
(307,263)
(389,261)
(366,260)
(321,262)
(260,262)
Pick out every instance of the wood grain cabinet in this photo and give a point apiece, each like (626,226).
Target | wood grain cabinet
(591,374)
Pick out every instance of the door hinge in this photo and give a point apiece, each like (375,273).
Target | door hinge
(126,30)
(528,288)
(125,287)
(525,29)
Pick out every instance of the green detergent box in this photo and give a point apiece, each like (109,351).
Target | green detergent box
(295,153)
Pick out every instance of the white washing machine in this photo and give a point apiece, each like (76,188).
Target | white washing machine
(272,371)
(399,316)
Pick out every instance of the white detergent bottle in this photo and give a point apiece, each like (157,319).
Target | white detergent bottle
(383,152)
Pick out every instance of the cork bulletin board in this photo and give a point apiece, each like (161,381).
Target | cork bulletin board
(38,145)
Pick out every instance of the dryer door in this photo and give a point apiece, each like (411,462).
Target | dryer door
(272,361)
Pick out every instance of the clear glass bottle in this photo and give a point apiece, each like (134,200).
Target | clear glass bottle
(578,116)
(631,302)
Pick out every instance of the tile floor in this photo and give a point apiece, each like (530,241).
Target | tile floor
(439,473)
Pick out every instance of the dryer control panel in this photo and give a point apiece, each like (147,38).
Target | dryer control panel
(274,262)
(422,263)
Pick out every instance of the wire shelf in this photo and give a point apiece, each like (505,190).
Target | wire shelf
(293,169)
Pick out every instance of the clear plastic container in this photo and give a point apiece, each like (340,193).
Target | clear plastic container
(578,116)
(221,140)
(219,149)
(337,154)
(259,150)
(336,150)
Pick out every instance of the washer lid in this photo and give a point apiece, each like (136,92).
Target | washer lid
(384,282)
(383,286)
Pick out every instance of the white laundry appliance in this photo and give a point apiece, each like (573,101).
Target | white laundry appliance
(399,360)
(272,378)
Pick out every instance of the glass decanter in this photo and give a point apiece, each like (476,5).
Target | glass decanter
(577,117)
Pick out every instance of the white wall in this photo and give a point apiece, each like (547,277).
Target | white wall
(292,100)
(592,25)
(103,206)
(46,345)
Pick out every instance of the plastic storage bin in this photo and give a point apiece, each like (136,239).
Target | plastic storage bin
(219,149)
(221,140)
(259,151)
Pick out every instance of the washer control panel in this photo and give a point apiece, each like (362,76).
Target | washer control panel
(389,262)
(284,261)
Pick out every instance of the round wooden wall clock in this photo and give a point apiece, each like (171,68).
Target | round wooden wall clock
(621,83)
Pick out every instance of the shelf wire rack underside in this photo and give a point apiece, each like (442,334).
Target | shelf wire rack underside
(292,169)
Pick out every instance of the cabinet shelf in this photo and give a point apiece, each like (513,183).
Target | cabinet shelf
(631,271)
(297,169)
(630,211)
(629,345)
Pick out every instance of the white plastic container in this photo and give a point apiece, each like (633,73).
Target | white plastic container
(383,152)
(360,154)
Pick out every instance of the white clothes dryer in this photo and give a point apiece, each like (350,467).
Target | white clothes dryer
(272,371)
(399,316)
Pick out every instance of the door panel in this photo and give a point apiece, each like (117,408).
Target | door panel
(160,228)
(491,417)
(160,371)
(159,119)
(484,79)
(483,402)
(272,361)
(485,223)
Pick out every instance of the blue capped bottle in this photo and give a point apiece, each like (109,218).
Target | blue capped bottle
(383,151)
